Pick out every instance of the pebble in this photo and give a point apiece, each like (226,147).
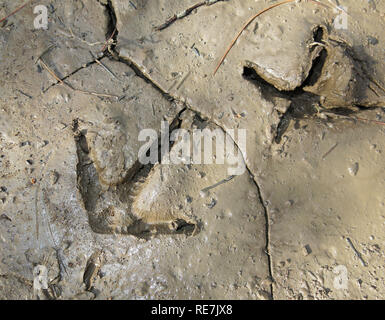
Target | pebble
(372,41)
(212,203)
(53,177)
(42,144)
(353,170)
(25,143)
(307,250)
(289,203)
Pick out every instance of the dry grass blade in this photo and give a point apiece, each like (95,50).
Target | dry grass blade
(372,121)
(16,11)
(331,114)
(109,39)
(53,74)
(185,13)
(103,66)
(251,20)
(181,15)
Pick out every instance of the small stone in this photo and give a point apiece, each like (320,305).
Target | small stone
(353,170)
(289,203)
(372,41)
(307,250)
(42,144)
(53,177)
(212,203)
(25,143)
(201,174)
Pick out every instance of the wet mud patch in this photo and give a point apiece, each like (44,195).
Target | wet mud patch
(109,202)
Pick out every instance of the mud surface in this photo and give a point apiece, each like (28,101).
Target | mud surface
(82,218)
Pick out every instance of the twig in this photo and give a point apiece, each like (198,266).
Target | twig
(251,20)
(109,39)
(332,114)
(368,120)
(24,94)
(185,13)
(37,223)
(53,74)
(82,40)
(16,11)
(358,254)
(5,217)
(178,16)
(330,151)
(71,35)
(103,66)
(218,183)
(45,52)
(377,84)
(133,5)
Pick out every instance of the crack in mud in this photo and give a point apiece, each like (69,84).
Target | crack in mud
(267,233)
(110,30)
(265,211)
(185,13)
(84,66)
(112,21)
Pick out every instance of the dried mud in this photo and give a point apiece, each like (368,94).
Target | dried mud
(82,218)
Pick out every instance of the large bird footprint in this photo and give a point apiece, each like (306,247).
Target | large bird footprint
(110,179)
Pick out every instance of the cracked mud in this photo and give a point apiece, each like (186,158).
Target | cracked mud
(82,218)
